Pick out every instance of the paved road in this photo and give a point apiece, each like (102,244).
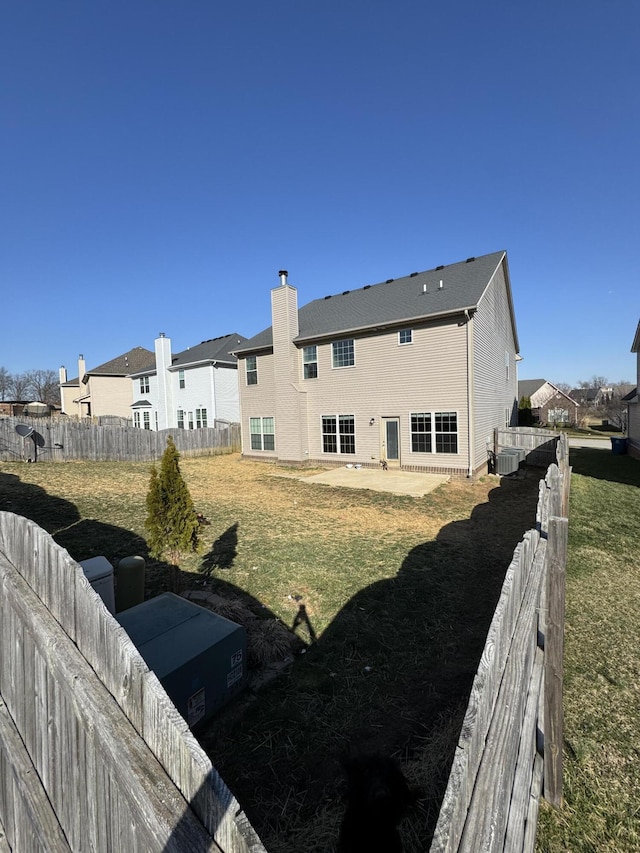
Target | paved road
(599,443)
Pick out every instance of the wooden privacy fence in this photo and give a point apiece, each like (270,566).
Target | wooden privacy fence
(66,440)
(510,747)
(93,755)
(539,444)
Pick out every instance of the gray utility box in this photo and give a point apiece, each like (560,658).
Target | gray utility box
(199,657)
(99,572)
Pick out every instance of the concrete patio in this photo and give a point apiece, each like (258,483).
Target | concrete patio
(393,480)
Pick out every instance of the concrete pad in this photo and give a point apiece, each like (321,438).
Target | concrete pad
(395,481)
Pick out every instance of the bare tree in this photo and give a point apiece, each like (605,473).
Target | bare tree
(5,381)
(19,386)
(563,386)
(44,385)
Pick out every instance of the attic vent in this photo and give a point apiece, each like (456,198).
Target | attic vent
(469,260)
(441,267)
(413,274)
(328,297)
(366,287)
(344,292)
(389,280)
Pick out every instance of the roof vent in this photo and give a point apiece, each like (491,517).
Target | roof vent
(366,287)
(328,297)
(440,284)
(389,280)
(441,267)
(283,277)
(469,260)
(344,292)
(413,274)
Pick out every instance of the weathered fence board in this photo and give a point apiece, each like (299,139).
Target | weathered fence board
(540,444)
(94,720)
(492,798)
(65,440)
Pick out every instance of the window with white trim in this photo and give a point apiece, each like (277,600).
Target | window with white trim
(343,353)
(201,418)
(338,434)
(144,384)
(146,420)
(190,420)
(434,432)
(181,380)
(252,369)
(262,432)
(310,362)
(180,419)
(405,336)
(136,419)
(507,362)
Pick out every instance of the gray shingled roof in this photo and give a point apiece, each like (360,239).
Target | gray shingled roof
(220,349)
(124,364)
(528,387)
(216,349)
(408,299)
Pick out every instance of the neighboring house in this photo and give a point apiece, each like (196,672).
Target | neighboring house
(591,397)
(633,404)
(549,405)
(191,389)
(414,372)
(105,390)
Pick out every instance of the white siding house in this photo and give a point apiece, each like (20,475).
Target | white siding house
(414,372)
(191,389)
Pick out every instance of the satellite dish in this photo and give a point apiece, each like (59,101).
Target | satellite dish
(37,439)
(24,430)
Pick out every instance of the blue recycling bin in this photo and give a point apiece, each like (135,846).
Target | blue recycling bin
(618,445)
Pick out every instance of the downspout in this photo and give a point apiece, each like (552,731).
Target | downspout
(470,400)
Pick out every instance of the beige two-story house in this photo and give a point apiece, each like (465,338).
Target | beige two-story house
(414,372)
(104,390)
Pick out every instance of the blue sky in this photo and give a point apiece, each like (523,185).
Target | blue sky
(161,160)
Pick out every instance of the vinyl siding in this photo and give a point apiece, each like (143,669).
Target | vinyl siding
(492,337)
(110,395)
(389,380)
(257,401)
(226,404)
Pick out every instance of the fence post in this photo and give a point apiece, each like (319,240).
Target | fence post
(553,659)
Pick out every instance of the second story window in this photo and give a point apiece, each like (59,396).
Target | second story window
(405,336)
(252,370)
(342,353)
(144,384)
(310,362)
(181,381)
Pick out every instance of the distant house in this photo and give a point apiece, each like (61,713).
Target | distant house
(191,389)
(549,405)
(104,390)
(415,372)
(633,404)
(591,397)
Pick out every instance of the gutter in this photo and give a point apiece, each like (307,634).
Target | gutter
(470,396)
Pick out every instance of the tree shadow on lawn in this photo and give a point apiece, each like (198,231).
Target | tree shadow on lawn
(81,537)
(391,674)
(605,465)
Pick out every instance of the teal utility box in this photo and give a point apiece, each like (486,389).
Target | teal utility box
(199,657)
